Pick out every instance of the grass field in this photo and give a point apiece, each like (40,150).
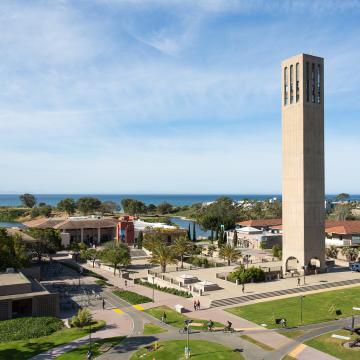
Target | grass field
(293,334)
(80,352)
(316,308)
(176,319)
(25,349)
(334,346)
(257,343)
(200,350)
(150,329)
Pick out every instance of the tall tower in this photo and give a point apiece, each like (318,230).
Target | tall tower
(303,163)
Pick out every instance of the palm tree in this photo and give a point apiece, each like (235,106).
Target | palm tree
(163,255)
(351,253)
(332,252)
(227,252)
(182,246)
(152,241)
(211,249)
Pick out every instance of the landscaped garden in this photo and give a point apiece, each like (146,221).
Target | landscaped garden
(168,290)
(200,350)
(31,340)
(317,308)
(176,319)
(98,347)
(131,297)
(333,346)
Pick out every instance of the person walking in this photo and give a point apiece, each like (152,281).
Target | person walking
(198,305)
(164,318)
(243,288)
(195,305)
(298,281)
(103,304)
(125,283)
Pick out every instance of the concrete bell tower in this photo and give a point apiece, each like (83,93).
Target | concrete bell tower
(303,164)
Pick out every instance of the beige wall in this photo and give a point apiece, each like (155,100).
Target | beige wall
(303,166)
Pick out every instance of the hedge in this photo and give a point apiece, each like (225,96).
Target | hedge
(173,291)
(28,328)
(131,297)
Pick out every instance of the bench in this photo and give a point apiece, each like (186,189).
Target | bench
(105,347)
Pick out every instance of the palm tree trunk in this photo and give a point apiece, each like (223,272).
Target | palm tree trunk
(114,269)
(229,262)
(182,261)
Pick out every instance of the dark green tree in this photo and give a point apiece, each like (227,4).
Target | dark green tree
(342,197)
(28,200)
(108,207)
(140,239)
(189,232)
(87,205)
(194,232)
(67,205)
(116,255)
(164,208)
(235,239)
(133,207)
(48,241)
(45,210)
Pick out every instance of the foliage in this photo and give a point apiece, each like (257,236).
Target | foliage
(13,253)
(139,240)
(48,241)
(173,291)
(276,251)
(11,214)
(68,205)
(342,212)
(164,208)
(194,232)
(90,254)
(332,252)
(109,207)
(163,255)
(152,240)
(182,246)
(342,197)
(25,349)
(198,261)
(43,210)
(133,207)
(351,253)
(220,212)
(235,239)
(158,219)
(28,328)
(263,244)
(87,205)
(247,275)
(82,318)
(211,249)
(230,254)
(131,297)
(28,200)
(116,254)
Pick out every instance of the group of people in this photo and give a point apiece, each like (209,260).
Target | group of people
(196,305)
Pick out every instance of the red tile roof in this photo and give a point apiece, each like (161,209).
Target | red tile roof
(260,223)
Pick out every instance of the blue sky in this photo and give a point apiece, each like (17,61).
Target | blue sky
(167,96)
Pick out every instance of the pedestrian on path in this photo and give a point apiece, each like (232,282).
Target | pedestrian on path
(163,318)
(195,305)
(298,280)
(243,288)
(198,305)
(125,283)
(103,304)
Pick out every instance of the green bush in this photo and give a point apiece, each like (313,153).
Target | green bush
(82,318)
(131,297)
(28,328)
(247,275)
(173,291)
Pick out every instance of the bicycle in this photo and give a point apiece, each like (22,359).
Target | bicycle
(185,330)
(228,330)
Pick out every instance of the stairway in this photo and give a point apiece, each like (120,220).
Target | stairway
(301,289)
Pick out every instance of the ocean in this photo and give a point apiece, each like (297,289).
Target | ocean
(156,199)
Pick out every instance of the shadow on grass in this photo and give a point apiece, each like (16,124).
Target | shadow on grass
(134,343)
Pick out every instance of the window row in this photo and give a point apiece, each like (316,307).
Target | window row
(312,83)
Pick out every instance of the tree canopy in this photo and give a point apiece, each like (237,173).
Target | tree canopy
(133,207)
(28,200)
(116,254)
(88,205)
(68,205)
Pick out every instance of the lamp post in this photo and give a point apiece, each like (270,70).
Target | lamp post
(89,354)
(187,349)
(153,288)
(304,267)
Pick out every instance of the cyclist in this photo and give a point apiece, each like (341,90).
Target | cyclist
(210,325)
(228,326)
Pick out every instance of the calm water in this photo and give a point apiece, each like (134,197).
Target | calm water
(6,224)
(185,224)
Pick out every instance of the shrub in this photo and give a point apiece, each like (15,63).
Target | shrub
(247,275)
(28,328)
(131,297)
(82,318)
(168,290)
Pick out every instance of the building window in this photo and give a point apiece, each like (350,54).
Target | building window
(313,82)
(307,82)
(291,84)
(297,82)
(355,239)
(286,86)
(318,84)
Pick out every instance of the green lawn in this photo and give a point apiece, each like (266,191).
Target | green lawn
(334,346)
(25,349)
(316,308)
(150,329)
(257,343)
(131,297)
(81,352)
(176,319)
(293,334)
(200,350)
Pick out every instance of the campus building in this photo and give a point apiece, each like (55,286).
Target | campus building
(303,163)
(21,296)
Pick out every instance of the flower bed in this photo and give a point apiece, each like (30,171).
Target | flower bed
(173,291)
